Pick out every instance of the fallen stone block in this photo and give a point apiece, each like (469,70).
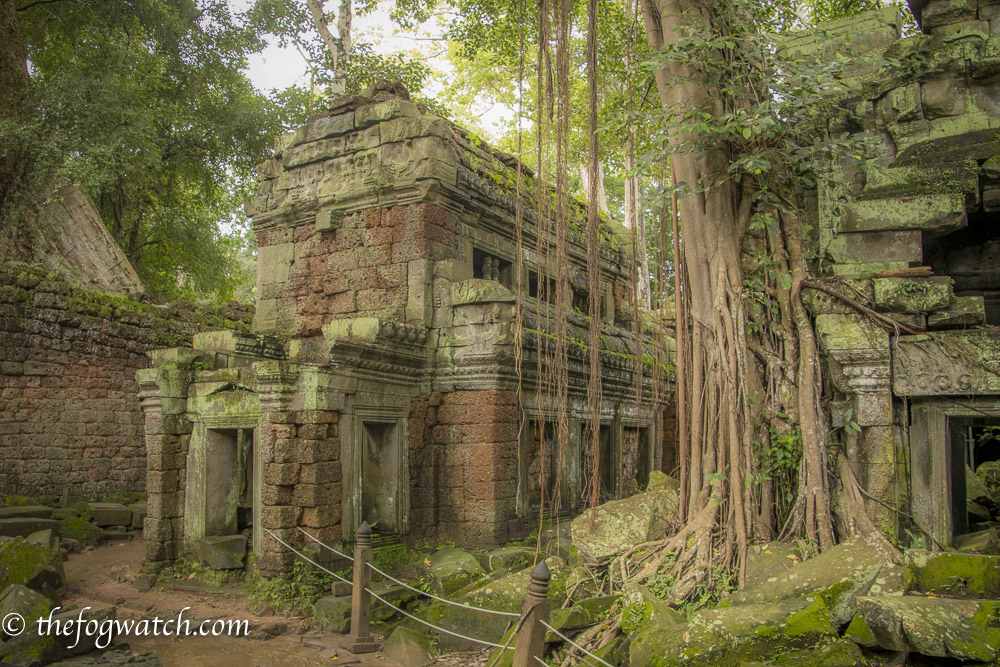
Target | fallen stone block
(582,614)
(505,594)
(454,569)
(953,574)
(24,602)
(408,647)
(24,526)
(333,612)
(222,552)
(621,524)
(508,559)
(23,562)
(110,514)
(660,481)
(31,648)
(733,635)
(26,512)
(981,542)
(840,575)
(938,627)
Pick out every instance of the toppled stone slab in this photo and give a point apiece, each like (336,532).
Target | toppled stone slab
(505,594)
(939,627)
(334,611)
(733,635)
(26,512)
(79,529)
(408,647)
(508,559)
(660,481)
(225,552)
(110,514)
(981,542)
(454,569)
(24,526)
(621,524)
(583,613)
(25,603)
(31,648)
(641,606)
(23,562)
(953,574)
(839,575)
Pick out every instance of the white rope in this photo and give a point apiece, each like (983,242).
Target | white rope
(439,599)
(306,558)
(325,546)
(431,625)
(383,600)
(573,643)
(540,661)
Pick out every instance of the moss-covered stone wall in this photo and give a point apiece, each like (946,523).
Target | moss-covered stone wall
(70,417)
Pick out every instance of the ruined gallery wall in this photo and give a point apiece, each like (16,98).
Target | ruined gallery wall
(70,417)
(463,467)
(929,194)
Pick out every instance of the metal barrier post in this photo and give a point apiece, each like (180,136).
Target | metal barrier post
(534,609)
(360,640)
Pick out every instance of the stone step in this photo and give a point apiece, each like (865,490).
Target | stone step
(24,526)
(26,512)
(931,626)
(955,575)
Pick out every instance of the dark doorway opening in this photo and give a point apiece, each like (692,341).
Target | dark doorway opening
(379,477)
(229,487)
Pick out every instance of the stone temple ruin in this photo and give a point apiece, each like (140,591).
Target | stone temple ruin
(927,404)
(379,383)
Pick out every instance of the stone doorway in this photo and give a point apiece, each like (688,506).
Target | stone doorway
(223,490)
(948,440)
(379,472)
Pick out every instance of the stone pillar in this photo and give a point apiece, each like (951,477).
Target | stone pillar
(862,370)
(163,394)
(876,461)
(279,457)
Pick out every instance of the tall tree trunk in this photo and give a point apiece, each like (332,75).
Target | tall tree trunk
(635,221)
(339,46)
(14,163)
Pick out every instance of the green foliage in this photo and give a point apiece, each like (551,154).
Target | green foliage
(185,569)
(145,105)
(290,22)
(289,594)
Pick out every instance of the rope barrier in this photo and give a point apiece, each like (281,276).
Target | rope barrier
(306,558)
(325,546)
(439,629)
(440,599)
(574,644)
(386,602)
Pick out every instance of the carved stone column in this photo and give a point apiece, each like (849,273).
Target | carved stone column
(277,383)
(163,396)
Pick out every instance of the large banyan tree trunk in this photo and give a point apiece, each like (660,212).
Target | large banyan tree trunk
(732,390)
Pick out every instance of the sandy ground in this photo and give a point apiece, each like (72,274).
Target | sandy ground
(106,576)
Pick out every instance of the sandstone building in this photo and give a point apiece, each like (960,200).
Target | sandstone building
(379,383)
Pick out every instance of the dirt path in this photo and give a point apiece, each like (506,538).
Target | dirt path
(106,576)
